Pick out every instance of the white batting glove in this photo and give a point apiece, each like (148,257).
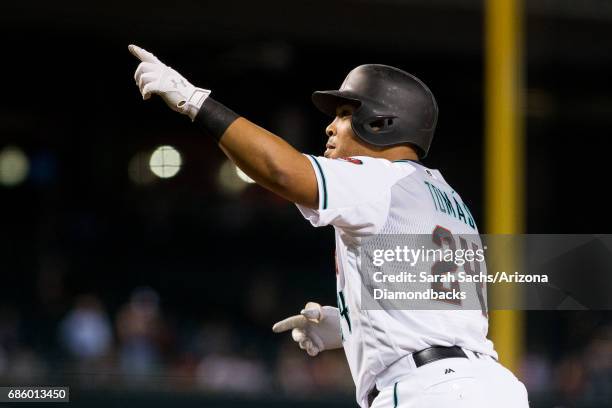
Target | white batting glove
(315,329)
(154,77)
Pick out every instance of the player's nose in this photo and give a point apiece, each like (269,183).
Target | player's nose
(330,130)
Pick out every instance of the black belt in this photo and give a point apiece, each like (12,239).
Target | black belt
(426,356)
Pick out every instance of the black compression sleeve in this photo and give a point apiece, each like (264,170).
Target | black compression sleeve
(214,118)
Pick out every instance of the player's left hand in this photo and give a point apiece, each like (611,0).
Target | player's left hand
(154,77)
(315,329)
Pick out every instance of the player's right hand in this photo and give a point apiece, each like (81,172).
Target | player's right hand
(315,329)
(154,77)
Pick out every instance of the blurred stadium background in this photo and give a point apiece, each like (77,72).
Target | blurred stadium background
(139,290)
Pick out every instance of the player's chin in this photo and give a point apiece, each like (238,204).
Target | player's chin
(331,153)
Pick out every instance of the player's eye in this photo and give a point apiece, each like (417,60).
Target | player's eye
(344,113)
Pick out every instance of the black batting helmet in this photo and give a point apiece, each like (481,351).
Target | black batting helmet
(391,106)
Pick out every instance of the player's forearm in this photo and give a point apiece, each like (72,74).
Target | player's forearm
(263,156)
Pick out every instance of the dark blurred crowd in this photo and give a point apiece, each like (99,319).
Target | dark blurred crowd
(582,376)
(138,347)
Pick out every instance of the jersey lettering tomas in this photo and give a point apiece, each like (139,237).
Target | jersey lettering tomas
(443,203)
(363,196)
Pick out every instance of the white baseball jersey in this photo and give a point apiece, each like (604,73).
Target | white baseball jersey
(364,196)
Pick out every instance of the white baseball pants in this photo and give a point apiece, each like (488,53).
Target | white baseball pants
(455,383)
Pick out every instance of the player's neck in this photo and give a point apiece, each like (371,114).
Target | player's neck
(394,153)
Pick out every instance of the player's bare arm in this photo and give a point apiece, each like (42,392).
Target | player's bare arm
(271,162)
(276,165)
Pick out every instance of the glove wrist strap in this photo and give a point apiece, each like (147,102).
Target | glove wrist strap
(192,106)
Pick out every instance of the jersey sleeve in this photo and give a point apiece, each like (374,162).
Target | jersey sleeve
(354,193)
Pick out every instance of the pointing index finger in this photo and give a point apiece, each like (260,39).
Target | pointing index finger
(289,323)
(142,54)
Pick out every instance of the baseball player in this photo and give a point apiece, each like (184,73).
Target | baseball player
(369,181)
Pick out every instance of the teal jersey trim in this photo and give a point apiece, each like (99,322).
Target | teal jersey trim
(395,401)
(324,200)
(408,161)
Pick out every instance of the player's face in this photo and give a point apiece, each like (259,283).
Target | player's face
(341,140)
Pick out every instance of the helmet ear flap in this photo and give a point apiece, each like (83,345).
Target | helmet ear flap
(380,124)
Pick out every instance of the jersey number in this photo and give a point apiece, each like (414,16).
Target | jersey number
(443,236)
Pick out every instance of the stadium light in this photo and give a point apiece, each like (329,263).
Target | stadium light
(243,176)
(14,166)
(165,162)
(231,179)
(139,170)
